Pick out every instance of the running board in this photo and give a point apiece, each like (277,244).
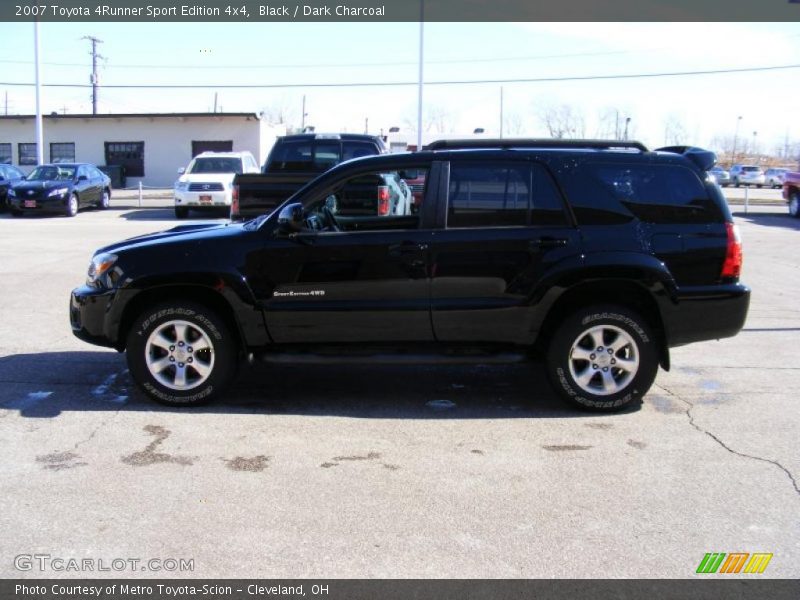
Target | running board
(312,358)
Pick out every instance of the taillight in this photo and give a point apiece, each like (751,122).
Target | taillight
(383,200)
(732,267)
(235,201)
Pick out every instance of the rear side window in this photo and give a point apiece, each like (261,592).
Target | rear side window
(651,193)
(357,150)
(502,195)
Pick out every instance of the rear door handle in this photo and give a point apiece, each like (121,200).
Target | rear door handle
(546,242)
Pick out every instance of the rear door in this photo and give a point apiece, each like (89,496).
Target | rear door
(505,226)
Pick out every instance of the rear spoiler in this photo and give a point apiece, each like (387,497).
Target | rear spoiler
(705,159)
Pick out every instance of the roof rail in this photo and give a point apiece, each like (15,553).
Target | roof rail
(535,143)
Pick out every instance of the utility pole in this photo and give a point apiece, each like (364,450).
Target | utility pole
(7,111)
(303,115)
(215,102)
(501,112)
(366,125)
(94,78)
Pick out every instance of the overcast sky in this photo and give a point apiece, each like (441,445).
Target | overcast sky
(705,106)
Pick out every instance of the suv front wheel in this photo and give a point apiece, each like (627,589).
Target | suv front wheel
(603,358)
(181,354)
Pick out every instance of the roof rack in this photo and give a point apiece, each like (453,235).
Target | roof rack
(535,143)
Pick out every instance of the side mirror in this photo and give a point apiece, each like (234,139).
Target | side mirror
(291,218)
(181,170)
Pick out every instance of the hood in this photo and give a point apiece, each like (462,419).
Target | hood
(206,177)
(184,235)
(41,185)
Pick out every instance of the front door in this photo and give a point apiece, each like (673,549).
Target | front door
(348,277)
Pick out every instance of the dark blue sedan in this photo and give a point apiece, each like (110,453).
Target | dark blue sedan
(60,188)
(8,176)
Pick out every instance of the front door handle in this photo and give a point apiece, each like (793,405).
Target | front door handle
(546,242)
(406,248)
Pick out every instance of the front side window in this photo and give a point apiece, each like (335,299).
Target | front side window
(375,200)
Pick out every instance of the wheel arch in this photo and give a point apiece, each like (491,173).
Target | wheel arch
(620,292)
(191,293)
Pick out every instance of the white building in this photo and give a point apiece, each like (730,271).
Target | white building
(151,147)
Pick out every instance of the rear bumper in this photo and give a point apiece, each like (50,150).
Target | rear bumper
(88,309)
(706,313)
(208,199)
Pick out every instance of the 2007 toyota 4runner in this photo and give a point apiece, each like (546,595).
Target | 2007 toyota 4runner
(597,255)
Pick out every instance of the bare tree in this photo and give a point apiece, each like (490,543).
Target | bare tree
(280,112)
(513,125)
(675,132)
(563,121)
(435,119)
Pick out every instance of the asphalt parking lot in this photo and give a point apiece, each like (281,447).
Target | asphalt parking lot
(399,471)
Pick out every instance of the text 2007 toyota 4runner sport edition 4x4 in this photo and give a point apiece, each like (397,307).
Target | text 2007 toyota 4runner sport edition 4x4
(599,255)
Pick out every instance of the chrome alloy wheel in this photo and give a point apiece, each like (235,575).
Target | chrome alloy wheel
(179,355)
(603,360)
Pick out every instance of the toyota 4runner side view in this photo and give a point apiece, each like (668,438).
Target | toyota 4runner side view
(598,256)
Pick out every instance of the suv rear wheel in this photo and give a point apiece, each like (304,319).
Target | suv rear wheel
(181,354)
(603,358)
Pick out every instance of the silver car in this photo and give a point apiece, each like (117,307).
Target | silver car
(721,176)
(774,177)
(747,175)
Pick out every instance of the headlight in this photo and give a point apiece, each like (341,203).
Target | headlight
(58,192)
(101,264)
(181,186)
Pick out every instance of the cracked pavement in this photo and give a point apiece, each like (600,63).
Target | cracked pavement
(399,471)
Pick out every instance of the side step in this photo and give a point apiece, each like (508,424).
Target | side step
(391,358)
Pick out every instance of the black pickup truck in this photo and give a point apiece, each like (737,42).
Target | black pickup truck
(294,161)
(596,255)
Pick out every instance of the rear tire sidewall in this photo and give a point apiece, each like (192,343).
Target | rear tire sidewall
(224,348)
(104,200)
(558,358)
(181,212)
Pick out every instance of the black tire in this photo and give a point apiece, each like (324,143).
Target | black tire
(181,212)
(736,183)
(15,213)
(105,199)
(73,204)
(158,326)
(635,344)
(758,185)
(794,205)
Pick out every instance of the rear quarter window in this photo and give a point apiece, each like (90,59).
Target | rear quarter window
(616,192)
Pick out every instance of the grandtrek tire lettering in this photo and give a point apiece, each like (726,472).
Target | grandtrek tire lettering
(181,355)
(602,358)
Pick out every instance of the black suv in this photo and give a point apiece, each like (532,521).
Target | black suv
(598,256)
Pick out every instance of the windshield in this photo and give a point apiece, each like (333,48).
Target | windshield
(216,165)
(51,173)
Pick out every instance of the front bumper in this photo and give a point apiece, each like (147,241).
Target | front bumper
(88,315)
(46,204)
(706,313)
(203,199)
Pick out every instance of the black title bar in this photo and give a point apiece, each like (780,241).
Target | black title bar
(263,11)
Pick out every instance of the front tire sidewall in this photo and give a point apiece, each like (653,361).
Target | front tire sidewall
(224,348)
(72,205)
(558,358)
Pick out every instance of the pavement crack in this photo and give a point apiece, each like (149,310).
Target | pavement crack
(689,415)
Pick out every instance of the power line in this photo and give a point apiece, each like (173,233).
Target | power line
(359,64)
(405,83)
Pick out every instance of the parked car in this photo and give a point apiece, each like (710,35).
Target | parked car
(598,256)
(791,193)
(60,188)
(720,175)
(747,175)
(294,161)
(207,183)
(9,176)
(774,177)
